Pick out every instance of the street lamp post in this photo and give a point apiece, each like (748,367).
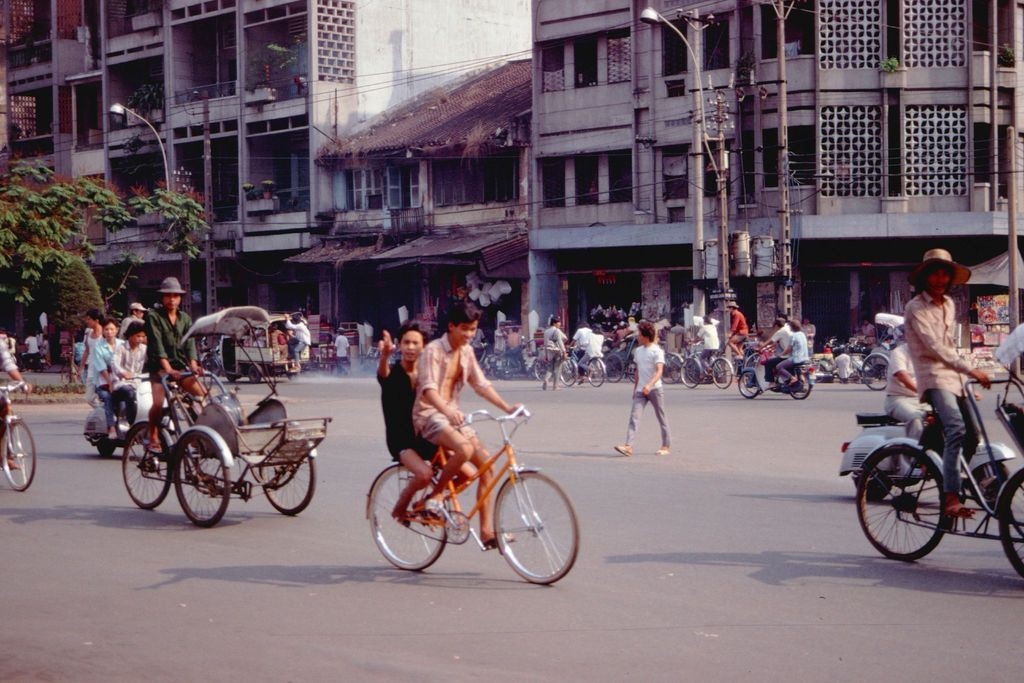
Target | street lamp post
(651,16)
(186,275)
(121,110)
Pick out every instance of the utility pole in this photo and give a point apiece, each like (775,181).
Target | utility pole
(698,164)
(211,258)
(782,10)
(721,121)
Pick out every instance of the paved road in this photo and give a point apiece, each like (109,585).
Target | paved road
(738,557)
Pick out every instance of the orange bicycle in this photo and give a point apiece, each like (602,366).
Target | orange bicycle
(534,520)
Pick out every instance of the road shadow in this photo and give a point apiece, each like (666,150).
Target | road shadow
(167,516)
(781,568)
(291,576)
(799,498)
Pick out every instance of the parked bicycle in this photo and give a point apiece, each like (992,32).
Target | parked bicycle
(17,448)
(619,361)
(536,526)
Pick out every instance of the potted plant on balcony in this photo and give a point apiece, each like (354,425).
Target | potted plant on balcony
(250,191)
(745,68)
(1007,57)
(268,188)
(147,99)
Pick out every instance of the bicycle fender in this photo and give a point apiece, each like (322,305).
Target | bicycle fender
(906,443)
(226,457)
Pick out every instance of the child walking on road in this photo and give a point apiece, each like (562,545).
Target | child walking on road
(650,363)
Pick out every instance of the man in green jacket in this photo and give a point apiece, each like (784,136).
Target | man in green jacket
(166,355)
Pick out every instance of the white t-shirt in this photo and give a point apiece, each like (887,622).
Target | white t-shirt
(582,337)
(781,339)
(899,360)
(31,345)
(647,359)
(341,346)
(708,336)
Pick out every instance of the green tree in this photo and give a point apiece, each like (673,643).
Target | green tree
(75,293)
(42,224)
(183,212)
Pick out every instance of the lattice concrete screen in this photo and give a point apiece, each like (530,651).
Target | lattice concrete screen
(935,140)
(851,151)
(336,40)
(934,33)
(851,34)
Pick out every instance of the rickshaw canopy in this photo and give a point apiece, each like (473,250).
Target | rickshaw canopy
(235,322)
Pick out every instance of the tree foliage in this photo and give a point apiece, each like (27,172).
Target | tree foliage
(183,215)
(42,224)
(75,292)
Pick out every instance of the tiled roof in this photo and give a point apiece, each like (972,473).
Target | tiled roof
(448,116)
(330,252)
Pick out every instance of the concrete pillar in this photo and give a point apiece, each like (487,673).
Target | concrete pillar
(545,284)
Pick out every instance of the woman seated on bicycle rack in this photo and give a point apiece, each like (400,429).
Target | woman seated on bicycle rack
(446,365)
(397,396)
(165,354)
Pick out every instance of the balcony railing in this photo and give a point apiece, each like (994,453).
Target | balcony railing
(27,55)
(408,221)
(212,90)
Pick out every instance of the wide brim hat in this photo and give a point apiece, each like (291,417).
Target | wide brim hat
(136,307)
(932,257)
(732,304)
(170,285)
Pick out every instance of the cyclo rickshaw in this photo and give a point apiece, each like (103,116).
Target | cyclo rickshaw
(252,355)
(212,450)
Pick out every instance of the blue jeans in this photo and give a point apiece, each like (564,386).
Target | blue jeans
(954,429)
(108,407)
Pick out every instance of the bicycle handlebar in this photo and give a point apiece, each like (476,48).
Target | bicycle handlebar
(17,386)
(520,412)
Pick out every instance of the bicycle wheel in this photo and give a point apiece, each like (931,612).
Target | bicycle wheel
(413,545)
(613,368)
(899,503)
(673,368)
(146,477)
(721,373)
(568,372)
(692,373)
(289,485)
(19,455)
(1011,520)
(537,529)
(596,373)
(747,384)
(874,372)
(537,370)
(201,482)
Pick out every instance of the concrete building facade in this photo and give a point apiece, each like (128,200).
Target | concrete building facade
(243,94)
(897,117)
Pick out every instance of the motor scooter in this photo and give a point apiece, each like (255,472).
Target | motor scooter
(752,383)
(879,430)
(126,414)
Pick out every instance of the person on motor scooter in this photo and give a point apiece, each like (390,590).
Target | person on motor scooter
(779,342)
(797,353)
(129,364)
(930,318)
